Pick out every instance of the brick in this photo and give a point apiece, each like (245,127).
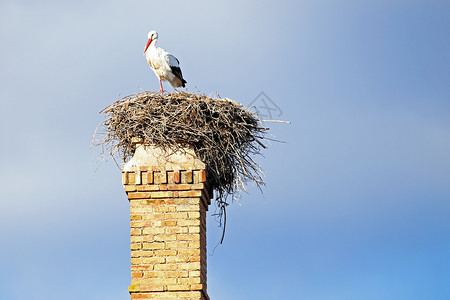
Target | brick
(144,178)
(135,217)
(174,230)
(176,177)
(202,176)
(166,267)
(136,254)
(197,186)
(178,287)
(177,259)
(194,193)
(146,254)
(177,244)
(166,281)
(189,266)
(139,195)
(136,246)
(194,215)
(188,237)
(153,260)
(131,178)
(152,274)
(165,237)
(152,288)
(186,201)
(137,238)
(166,252)
(155,202)
(124,178)
(179,187)
(168,296)
(147,188)
(193,280)
(195,245)
(130,188)
(187,208)
(133,288)
(142,267)
(186,177)
(165,208)
(152,231)
(136,224)
(196,287)
(160,177)
(188,252)
(163,187)
(194,273)
(156,281)
(161,194)
(149,177)
(169,177)
(177,215)
(168,223)
(153,246)
(155,223)
(135,231)
(194,259)
(137,274)
(176,274)
(135,261)
(137,206)
(163,177)
(194,229)
(193,222)
(155,216)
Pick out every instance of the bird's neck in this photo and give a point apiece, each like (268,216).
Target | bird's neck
(151,49)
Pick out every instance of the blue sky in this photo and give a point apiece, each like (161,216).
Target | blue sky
(357,198)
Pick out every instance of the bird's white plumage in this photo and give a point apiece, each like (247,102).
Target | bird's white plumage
(165,65)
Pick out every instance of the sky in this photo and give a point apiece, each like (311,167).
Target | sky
(356,204)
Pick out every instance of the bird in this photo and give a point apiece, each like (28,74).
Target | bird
(165,65)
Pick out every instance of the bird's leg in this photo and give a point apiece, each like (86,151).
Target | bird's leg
(160,85)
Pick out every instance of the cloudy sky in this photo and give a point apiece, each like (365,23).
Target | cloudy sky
(357,198)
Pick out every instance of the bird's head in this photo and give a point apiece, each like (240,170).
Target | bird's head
(152,36)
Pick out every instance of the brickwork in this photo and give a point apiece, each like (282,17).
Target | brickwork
(168,231)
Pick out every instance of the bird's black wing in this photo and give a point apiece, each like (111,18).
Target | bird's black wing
(176,70)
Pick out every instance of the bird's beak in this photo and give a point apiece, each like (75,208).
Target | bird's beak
(148,44)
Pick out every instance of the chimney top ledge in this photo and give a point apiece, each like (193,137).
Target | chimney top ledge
(162,159)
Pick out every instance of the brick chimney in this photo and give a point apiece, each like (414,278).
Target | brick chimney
(169,197)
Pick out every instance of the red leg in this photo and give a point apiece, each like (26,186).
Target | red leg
(160,85)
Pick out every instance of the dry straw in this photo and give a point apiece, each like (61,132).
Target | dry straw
(225,135)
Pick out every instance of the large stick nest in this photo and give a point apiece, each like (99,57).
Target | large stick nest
(224,135)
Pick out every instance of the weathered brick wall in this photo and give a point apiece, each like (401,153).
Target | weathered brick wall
(168,231)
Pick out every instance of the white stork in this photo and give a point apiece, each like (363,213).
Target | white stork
(165,65)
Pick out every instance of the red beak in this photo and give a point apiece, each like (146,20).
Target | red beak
(148,44)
